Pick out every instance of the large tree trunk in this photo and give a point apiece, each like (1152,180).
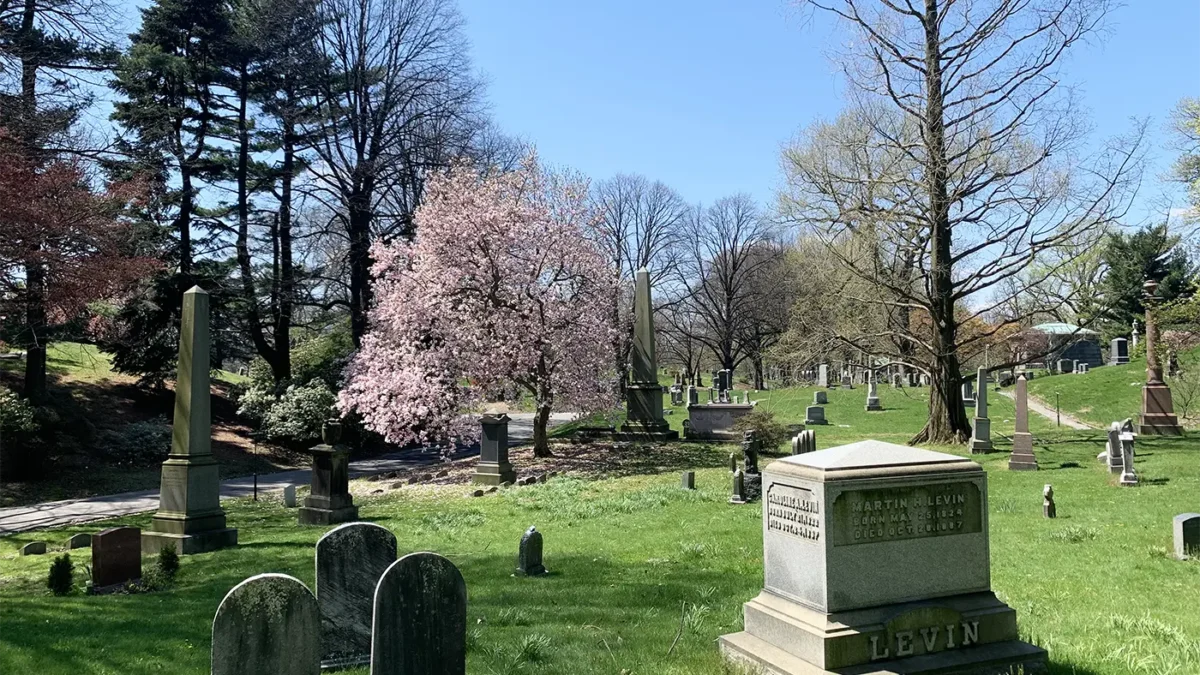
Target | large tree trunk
(35,323)
(758,373)
(541,437)
(286,276)
(947,418)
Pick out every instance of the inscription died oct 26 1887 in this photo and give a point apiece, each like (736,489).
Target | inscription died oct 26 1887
(872,516)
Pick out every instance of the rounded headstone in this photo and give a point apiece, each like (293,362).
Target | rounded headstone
(267,625)
(350,559)
(420,621)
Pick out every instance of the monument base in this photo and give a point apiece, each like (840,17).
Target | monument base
(1158,412)
(874,407)
(310,515)
(1022,458)
(981,436)
(646,432)
(491,473)
(970,634)
(187,544)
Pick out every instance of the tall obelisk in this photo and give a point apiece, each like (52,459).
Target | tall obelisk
(1158,411)
(644,416)
(190,517)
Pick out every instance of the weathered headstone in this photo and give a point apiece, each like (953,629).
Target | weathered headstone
(693,396)
(267,625)
(116,556)
(493,467)
(820,398)
(847,381)
(732,462)
(34,548)
(823,375)
(805,441)
(981,431)
(872,396)
(796,444)
(81,540)
(529,554)
(1186,530)
(1048,508)
(189,515)
(897,381)
(1022,457)
(329,500)
(350,560)
(739,488)
(643,394)
(1112,449)
(968,394)
(831,519)
(1065,366)
(814,414)
(420,623)
(289,496)
(1128,474)
(688,480)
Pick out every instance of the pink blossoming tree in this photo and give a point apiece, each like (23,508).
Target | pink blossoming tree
(503,284)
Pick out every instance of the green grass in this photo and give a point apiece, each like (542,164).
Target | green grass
(86,363)
(1102,395)
(634,558)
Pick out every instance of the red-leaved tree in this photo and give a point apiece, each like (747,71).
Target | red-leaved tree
(63,245)
(504,283)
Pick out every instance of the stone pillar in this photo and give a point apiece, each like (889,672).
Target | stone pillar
(493,467)
(981,434)
(1022,458)
(1158,411)
(644,415)
(190,518)
(329,501)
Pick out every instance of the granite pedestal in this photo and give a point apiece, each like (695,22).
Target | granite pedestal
(329,501)
(876,560)
(493,467)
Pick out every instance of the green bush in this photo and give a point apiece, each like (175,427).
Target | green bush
(62,575)
(769,431)
(168,561)
(16,415)
(138,443)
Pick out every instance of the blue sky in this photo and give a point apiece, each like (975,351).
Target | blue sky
(702,93)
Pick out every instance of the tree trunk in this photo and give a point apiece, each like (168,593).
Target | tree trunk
(758,373)
(183,221)
(360,267)
(282,368)
(35,321)
(947,418)
(541,437)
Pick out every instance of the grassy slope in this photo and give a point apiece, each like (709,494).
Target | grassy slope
(1100,396)
(631,555)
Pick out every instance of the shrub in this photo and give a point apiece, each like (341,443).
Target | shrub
(769,431)
(168,561)
(299,412)
(137,443)
(62,575)
(16,415)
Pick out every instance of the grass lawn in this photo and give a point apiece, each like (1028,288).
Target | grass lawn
(633,559)
(1109,393)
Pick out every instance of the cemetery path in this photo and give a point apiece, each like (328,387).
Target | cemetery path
(1048,412)
(74,511)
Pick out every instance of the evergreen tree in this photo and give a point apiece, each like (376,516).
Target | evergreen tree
(1150,253)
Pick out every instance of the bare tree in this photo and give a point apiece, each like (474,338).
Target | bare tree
(961,148)
(639,227)
(399,102)
(724,254)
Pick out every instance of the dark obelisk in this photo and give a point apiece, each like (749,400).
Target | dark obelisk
(644,416)
(190,517)
(1158,411)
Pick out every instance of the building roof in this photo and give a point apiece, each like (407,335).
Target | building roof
(1063,329)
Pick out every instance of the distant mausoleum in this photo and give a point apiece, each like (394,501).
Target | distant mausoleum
(1071,343)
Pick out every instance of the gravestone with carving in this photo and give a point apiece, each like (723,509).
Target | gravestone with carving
(895,514)
(116,556)
(350,560)
(267,625)
(420,618)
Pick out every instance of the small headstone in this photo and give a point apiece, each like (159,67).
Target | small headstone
(1112,450)
(1186,527)
(823,375)
(529,555)
(116,556)
(34,548)
(733,462)
(350,560)
(81,540)
(739,488)
(981,431)
(1128,474)
(814,414)
(289,496)
(1065,366)
(689,480)
(1048,509)
(693,396)
(820,398)
(847,381)
(420,621)
(872,397)
(267,625)
(897,381)
(796,444)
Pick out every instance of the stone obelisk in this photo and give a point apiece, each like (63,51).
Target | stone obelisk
(1022,457)
(644,416)
(190,517)
(1158,410)
(981,432)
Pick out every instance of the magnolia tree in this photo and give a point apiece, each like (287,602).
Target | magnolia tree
(504,283)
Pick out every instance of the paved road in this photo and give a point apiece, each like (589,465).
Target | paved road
(1048,412)
(72,511)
